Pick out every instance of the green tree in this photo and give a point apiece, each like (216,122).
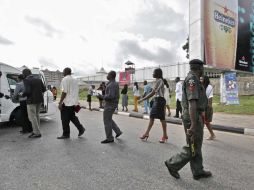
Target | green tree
(186,48)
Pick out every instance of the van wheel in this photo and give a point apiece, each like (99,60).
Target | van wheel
(16,117)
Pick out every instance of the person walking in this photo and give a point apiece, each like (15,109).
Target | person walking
(193,101)
(89,96)
(147,90)
(179,93)
(167,97)
(34,89)
(54,92)
(208,114)
(136,96)
(111,98)
(17,97)
(158,108)
(102,89)
(124,93)
(68,101)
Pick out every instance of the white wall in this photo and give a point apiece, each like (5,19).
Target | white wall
(169,72)
(196,29)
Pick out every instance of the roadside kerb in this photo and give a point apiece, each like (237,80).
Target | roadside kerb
(248,131)
(245,131)
(228,129)
(137,115)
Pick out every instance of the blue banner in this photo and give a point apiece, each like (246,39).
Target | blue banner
(231,88)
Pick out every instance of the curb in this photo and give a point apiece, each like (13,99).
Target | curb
(228,129)
(238,130)
(248,131)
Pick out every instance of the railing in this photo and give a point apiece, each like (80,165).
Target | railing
(170,72)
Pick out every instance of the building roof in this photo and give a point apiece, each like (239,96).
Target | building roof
(102,70)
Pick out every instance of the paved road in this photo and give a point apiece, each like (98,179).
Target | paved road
(84,163)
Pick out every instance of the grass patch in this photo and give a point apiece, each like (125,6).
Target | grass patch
(246,106)
(246,103)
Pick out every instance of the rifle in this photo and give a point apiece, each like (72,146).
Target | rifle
(190,141)
(192,146)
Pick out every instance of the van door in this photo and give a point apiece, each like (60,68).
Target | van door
(8,106)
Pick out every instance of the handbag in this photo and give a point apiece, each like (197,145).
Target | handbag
(151,103)
(77,108)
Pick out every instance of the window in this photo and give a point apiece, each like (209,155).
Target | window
(12,80)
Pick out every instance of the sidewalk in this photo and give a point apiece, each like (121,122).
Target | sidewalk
(242,124)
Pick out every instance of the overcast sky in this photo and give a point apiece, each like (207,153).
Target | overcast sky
(86,34)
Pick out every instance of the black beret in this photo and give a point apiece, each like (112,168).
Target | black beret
(196,62)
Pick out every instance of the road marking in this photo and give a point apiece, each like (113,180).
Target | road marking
(249,131)
(146,117)
(123,113)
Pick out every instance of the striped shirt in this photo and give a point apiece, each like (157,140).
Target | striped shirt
(159,88)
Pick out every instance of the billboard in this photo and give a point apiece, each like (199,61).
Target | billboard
(245,42)
(124,78)
(229,34)
(220,33)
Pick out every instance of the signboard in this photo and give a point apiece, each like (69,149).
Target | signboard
(231,88)
(124,78)
(229,34)
(130,70)
(220,33)
(245,42)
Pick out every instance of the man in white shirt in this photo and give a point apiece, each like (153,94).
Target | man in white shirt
(68,101)
(179,94)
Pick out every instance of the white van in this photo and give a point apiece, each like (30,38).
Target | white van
(10,111)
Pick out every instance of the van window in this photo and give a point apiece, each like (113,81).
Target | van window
(12,80)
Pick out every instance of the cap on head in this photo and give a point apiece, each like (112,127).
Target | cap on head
(196,62)
(196,65)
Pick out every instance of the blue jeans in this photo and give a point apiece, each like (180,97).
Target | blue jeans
(146,105)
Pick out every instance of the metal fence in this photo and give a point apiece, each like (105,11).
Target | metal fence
(170,72)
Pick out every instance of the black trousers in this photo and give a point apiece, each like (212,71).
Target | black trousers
(25,123)
(67,115)
(178,108)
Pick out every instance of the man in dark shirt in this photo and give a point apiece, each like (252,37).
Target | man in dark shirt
(34,89)
(24,121)
(111,100)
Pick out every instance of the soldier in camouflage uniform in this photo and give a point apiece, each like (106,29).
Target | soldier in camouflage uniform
(193,102)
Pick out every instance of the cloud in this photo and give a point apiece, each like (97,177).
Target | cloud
(83,68)
(159,33)
(129,48)
(47,63)
(160,21)
(45,27)
(5,41)
(83,38)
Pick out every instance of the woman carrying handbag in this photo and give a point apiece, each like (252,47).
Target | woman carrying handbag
(157,111)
